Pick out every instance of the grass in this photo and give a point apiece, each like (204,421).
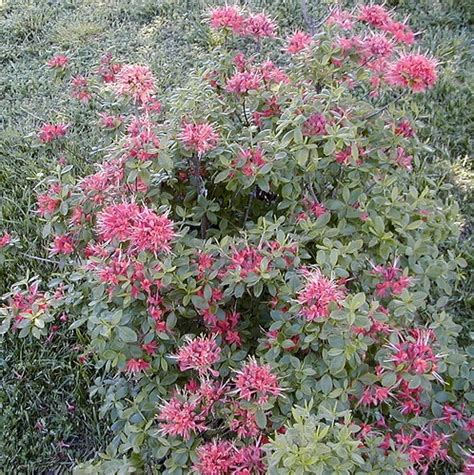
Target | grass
(37,379)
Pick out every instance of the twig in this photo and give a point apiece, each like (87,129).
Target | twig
(42,259)
(247,210)
(201,190)
(378,112)
(245,113)
(307,17)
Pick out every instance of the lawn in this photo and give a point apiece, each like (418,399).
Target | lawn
(47,421)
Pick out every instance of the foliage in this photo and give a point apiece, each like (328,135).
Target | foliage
(154,32)
(273,211)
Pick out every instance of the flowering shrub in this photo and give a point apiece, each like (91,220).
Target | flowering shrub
(262,241)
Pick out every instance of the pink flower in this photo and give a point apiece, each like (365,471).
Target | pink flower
(241,83)
(49,202)
(414,71)
(199,354)
(63,244)
(272,73)
(108,69)
(153,105)
(259,26)
(343,156)
(180,417)
(109,121)
(144,145)
(80,89)
(298,42)
(404,129)
(415,353)
(5,240)
(200,138)
(214,458)
(227,17)
(50,132)
(315,125)
(136,82)
(404,160)
(249,460)
(244,423)
(150,348)
(256,382)
(249,161)
(246,261)
(401,32)
(58,62)
(115,222)
(377,45)
(136,365)
(152,232)
(317,294)
(240,61)
(393,281)
(341,18)
(375,15)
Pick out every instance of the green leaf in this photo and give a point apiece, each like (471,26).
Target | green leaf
(326,384)
(221,176)
(261,419)
(389,379)
(357,301)
(127,334)
(329,147)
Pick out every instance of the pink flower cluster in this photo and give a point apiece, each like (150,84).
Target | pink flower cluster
(80,89)
(142,142)
(108,70)
(62,244)
(28,302)
(413,71)
(232,18)
(415,353)
(298,41)
(377,50)
(394,282)
(199,354)
(140,226)
(315,125)
(49,202)
(317,295)
(135,81)
(221,457)
(50,132)
(59,61)
(5,240)
(405,129)
(200,137)
(136,365)
(249,161)
(181,416)
(256,382)
(313,209)
(187,411)
(243,82)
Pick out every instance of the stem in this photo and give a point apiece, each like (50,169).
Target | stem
(378,112)
(42,259)
(306,16)
(247,209)
(201,191)
(245,113)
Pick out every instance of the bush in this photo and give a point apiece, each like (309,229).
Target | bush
(262,241)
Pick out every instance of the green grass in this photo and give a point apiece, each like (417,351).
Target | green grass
(168,35)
